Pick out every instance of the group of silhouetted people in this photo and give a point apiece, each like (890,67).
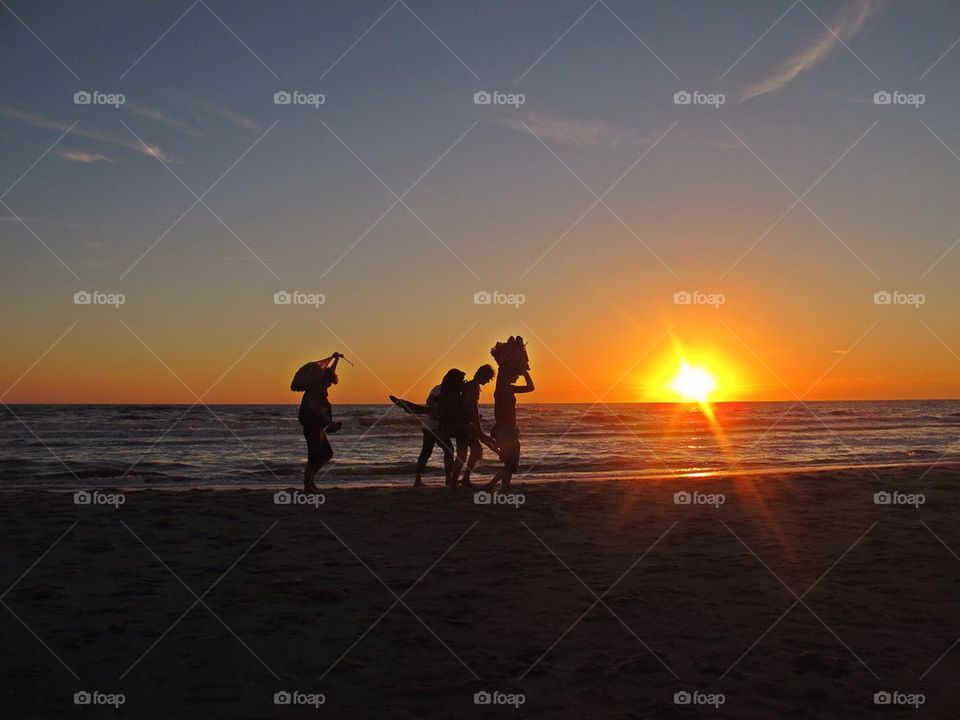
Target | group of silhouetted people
(450,418)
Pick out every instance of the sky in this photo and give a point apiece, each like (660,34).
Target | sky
(587,198)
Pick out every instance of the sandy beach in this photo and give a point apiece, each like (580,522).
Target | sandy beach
(791,596)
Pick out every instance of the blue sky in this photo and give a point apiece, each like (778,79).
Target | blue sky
(502,206)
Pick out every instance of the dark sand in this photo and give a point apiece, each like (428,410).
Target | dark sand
(498,611)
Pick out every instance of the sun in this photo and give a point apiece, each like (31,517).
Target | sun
(693,383)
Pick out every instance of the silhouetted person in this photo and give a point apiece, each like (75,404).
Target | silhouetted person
(316,416)
(431,428)
(471,405)
(453,425)
(511,356)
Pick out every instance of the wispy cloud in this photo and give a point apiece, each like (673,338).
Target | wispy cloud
(569,131)
(222,113)
(844,28)
(41,122)
(161,117)
(79,156)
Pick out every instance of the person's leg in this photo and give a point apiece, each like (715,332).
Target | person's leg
(511,459)
(426,450)
(309,472)
(320,453)
(476,452)
(461,454)
(446,445)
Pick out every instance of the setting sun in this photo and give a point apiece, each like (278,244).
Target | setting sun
(693,383)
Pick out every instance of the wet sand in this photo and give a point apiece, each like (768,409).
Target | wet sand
(599,599)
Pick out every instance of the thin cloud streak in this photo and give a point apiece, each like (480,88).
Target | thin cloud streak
(845,28)
(79,156)
(41,122)
(569,131)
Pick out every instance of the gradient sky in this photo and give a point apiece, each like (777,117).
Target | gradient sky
(502,206)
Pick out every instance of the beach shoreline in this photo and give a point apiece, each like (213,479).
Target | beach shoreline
(489,598)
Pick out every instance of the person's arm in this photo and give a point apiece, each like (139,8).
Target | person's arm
(528,387)
(336,359)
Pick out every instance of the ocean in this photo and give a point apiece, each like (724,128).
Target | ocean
(171,446)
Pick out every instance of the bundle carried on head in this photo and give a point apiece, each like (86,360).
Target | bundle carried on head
(511,356)
(312,376)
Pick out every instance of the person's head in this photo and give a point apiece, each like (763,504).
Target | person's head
(484,374)
(452,382)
